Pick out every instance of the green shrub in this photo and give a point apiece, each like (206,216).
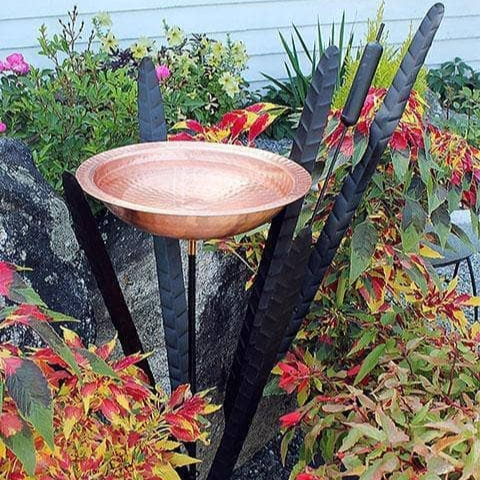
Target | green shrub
(87,101)
(453,82)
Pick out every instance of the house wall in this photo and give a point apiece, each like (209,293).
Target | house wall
(256,22)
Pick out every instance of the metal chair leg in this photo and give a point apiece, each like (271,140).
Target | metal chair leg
(474,284)
(455,270)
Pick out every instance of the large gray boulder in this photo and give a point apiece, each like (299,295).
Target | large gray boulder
(35,232)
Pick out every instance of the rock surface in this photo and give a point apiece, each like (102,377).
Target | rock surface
(35,232)
(221,304)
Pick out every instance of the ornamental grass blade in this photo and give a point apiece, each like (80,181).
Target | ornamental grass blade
(357,180)
(261,356)
(153,128)
(305,149)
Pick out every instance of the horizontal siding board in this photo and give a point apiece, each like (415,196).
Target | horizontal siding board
(256,22)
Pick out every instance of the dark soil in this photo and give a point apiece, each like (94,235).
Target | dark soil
(266,464)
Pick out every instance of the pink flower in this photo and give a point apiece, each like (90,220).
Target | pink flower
(3,66)
(3,127)
(163,72)
(17,64)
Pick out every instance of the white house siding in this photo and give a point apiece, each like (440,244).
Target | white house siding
(256,22)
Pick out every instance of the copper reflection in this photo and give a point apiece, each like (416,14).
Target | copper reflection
(193,190)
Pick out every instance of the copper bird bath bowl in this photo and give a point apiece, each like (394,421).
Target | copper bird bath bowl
(193,190)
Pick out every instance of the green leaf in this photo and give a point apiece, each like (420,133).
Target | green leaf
(352,437)
(20,292)
(98,365)
(436,197)
(472,462)
(387,464)
(50,336)
(29,389)
(414,214)
(370,362)
(287,438)
(22,446)
(359,149)
(368,431)
(400,165)
(366,339)
(453,198)
(410,239)
(364,240)
(441,223)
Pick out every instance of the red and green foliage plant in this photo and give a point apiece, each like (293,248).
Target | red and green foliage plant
(68,411)
(239,127)
(386,366)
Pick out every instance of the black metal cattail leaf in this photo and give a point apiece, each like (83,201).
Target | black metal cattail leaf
(260,357)
(90,240)
(151,116)
(174,307)
(153,128)
(356,182)
(305,149)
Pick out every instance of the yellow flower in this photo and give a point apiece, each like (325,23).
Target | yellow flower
(229,84)
(184,63)
(239,54)
(218,51)
(140,48)
(109,42)
(145,41)
(175,36)
(103,19)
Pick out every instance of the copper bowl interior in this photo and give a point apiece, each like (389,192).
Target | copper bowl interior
(156,185)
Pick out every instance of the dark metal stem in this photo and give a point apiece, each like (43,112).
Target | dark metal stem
(192,337)
(329,174)
(192,347)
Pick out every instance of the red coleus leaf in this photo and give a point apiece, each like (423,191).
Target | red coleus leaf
(7,274)
(238,126)
(307,475)
(256,107)
(229,119)
(180,394)
(194,126)
(290,419)
(10,424)
(181,137)
(126,362)
(258,126)
(192,407)
(109,408)
(24,314)
(12,364)
(134,390)
(180,427)
(133,439)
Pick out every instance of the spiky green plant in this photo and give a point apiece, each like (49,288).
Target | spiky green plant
(294,89)
(387,67)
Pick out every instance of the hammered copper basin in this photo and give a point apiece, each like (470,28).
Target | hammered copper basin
(193,190)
